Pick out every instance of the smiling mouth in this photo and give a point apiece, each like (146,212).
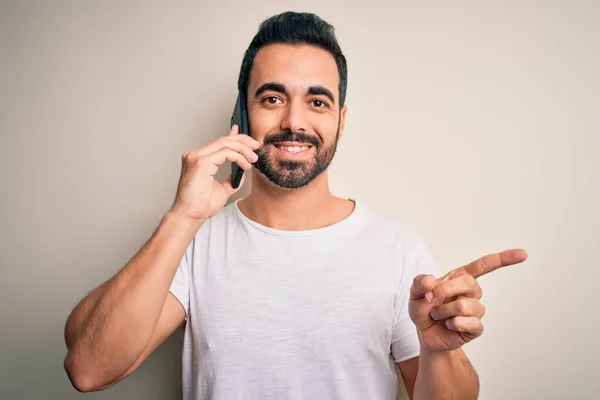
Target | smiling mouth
(292,148)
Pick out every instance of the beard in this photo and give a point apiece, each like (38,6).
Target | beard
(289,174)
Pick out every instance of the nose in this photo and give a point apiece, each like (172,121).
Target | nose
(294,118)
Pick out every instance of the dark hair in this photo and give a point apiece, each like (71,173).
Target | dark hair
(295,28)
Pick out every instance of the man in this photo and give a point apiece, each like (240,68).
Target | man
(292,292)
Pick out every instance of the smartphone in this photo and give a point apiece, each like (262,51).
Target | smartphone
(239,118)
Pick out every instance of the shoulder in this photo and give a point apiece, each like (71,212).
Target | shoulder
(398,243)
(389,225)
(403,240)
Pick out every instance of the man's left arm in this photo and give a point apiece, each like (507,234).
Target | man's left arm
(447,313)
(440,376)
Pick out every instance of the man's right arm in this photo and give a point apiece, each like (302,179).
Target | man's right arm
(112,330)
(120,323)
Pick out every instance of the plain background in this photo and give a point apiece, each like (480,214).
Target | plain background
(476,122)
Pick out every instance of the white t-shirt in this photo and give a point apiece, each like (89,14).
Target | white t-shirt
(288,315)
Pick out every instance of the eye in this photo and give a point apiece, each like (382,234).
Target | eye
(319,103)
(272,100)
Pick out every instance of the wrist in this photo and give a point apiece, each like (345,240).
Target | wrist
(451,360)
(182,221)
(445,375)
(449,355)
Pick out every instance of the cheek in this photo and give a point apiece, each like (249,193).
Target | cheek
(262,123)
(327,128)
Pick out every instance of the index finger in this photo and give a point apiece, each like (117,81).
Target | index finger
(235,129)
(234,133)
(492,262)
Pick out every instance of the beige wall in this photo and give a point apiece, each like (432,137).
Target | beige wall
(478,123)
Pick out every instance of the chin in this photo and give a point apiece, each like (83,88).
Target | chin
(285,174)
(294,183)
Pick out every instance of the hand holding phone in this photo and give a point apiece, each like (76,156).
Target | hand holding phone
(199,195)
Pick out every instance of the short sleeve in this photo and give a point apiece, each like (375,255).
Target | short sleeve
(180,286)
(405,342)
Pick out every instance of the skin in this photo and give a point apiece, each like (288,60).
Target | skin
(296,69)
(108,338)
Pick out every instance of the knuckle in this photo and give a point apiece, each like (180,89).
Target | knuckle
(478,328)
(463,306)
(457,272)
(243,139)
(190,157)
(226,142)
(252,143)
(483,263)
(471,280)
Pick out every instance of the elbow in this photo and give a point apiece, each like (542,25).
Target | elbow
(81,379)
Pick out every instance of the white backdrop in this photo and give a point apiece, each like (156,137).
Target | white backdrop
(474,121)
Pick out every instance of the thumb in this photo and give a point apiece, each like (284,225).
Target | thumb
(229,187)
(420,305)
(422,287)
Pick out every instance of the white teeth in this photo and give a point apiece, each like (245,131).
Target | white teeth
(294,149)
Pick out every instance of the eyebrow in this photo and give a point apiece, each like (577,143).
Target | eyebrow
(280,88)
(320,90)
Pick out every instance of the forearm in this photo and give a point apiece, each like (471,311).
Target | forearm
(445,376)
(108,331)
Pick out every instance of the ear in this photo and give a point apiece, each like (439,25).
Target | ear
(343,119)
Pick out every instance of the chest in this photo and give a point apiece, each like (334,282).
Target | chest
(265,301)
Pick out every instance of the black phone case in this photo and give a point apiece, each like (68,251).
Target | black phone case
(239,118)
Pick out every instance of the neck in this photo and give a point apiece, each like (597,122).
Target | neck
(310,207)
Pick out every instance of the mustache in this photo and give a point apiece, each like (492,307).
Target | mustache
(292,137)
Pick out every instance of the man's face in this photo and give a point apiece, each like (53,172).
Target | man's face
(293,109)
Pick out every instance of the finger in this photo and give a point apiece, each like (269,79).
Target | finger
(421,303)
(463,306)
(463,284)
(246,139)
(471,326)
(419,307)
(492,262)
(243,146)
(230,144)
(235,129)
(233,134)
(218,158)
(450,275)
(422,287)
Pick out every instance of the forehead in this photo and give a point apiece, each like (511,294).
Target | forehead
(297,67)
